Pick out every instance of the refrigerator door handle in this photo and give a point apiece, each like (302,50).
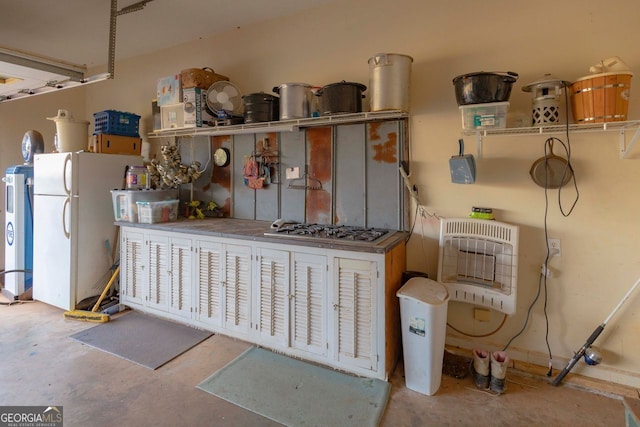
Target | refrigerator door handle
(67,203)
(67,164)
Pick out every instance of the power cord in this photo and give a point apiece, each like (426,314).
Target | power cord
(420,211)
(542,280)
(504,319)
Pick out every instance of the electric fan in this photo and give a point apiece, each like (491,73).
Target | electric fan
(225,100)
(478,262)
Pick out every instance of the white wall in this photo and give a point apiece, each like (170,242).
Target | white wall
(600,260)
(17,117)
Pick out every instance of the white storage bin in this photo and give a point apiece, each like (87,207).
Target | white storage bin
(153,212)
(124,201)
(492,115)
(423,318)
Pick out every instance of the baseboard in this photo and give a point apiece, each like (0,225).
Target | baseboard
(593,385)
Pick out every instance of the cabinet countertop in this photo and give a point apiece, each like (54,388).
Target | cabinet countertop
(243,229)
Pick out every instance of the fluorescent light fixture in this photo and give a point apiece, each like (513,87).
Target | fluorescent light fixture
(23,74)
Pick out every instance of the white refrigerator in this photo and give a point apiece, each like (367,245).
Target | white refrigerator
(73,221)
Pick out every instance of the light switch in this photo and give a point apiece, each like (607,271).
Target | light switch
(293,173)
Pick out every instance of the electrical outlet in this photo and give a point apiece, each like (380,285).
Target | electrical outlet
(481,314)
(554,247)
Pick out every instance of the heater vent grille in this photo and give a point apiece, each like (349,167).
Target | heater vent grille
(478,262)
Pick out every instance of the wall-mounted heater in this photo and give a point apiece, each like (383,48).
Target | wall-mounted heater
(478,262)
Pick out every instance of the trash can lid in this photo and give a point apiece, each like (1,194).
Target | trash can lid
(424,290)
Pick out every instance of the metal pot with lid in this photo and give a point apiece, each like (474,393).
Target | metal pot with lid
(295,100)
(341,98)
(483,87)
(261,107)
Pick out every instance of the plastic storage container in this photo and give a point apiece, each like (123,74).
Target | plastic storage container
(423,318)
(153,212)
(116,123)
(137,178)
(492,115)
(124,201)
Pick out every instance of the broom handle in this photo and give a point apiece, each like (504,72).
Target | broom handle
(106,288)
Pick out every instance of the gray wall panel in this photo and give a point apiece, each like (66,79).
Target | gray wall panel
(244,204)
(292,154)
(383,176)
(267,199)
(349,177)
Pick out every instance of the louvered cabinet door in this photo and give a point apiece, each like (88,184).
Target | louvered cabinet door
(209,278)
(237,289)
(132,268)
(308,303)
(180,277)
(354,312)
(157,285)
(272,299)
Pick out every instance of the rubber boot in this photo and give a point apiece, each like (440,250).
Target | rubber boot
(499,361)
(480,369)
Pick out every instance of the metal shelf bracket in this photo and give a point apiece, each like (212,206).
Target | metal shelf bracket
(621,127)
(624,152)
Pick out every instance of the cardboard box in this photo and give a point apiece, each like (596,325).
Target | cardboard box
(169,90)
(188,114)
(195,107)
(172,116)
(117,144)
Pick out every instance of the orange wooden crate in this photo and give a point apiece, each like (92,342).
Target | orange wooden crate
(601,98)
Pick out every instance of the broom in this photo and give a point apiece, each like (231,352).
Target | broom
(93,315)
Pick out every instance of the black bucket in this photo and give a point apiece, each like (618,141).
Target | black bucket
(261,107)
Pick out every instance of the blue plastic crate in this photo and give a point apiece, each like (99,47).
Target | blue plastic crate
(114,122)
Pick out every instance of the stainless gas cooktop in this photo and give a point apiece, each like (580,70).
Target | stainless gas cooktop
(336,233)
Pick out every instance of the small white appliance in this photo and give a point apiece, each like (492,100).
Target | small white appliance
(73,221)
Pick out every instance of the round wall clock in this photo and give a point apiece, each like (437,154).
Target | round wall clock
(221,157)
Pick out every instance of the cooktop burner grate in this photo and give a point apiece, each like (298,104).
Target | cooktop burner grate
(330,232)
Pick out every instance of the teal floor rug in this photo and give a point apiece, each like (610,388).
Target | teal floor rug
(297,393)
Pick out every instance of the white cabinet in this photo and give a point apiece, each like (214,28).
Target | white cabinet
(309,303)
(223,292)
(334,307)
(291,294)
(132,267)
(209,283)
(156,272)
(179,272)
(156,258)
(272,296)
(236,289)
(354,306)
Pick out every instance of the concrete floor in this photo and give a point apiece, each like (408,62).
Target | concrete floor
(41,365)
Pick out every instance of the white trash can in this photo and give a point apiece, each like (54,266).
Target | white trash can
(423,317)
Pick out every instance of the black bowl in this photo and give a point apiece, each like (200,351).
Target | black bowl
(482,88)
